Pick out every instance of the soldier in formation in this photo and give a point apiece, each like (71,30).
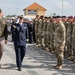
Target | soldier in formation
(59,42)
(57,36)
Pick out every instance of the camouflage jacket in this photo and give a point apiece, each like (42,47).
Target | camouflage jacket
(59,35)
(3,28)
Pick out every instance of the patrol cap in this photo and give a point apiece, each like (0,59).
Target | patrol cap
(46,17)
(58,16)
(0,10)
(37,15)
(53,16)
(41,16)
(63,16)
(49,17)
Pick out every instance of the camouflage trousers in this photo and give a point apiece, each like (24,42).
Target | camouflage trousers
(40,38)
(69,48)
(59,55)
(37,38)
(1,47)
(49,43)
(73,48)
(46,40)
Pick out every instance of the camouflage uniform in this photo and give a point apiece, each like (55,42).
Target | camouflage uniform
(52,36)
(40,35)
(43,32)
(69,38)
(65,48)
(59,43)
(47,35)
(73,40)
(36,30)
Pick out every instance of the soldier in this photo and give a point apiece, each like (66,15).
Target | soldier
(59,42)
(52,33)
(3,33)
(73,40)
(64,20)
(44,32)
(69,37)
(36,25)
(40,28)
(47,34)
(34,35)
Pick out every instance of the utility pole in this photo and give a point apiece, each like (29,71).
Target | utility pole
(62,6)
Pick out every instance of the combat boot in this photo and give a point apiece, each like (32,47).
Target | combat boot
(39,45)
(36,45)
(47,49)
(70,57)
(74,59)
(58,67)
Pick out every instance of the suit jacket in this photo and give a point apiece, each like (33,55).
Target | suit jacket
(12,28)
(21,32)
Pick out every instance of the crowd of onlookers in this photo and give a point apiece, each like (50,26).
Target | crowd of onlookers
(30,27)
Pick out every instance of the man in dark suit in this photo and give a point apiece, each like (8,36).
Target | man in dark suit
(21,31)
(12,28)
(30,27)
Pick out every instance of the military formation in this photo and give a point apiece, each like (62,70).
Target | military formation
(57,35)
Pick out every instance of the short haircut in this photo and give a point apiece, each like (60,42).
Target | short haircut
(20,17)
(0,10)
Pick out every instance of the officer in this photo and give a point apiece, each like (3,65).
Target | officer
(20,41)
(3,33)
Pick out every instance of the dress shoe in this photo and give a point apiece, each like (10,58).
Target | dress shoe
(19,68)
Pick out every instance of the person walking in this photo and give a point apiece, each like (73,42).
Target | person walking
(21,32)
(3,33)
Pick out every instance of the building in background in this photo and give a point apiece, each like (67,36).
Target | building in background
(33,10)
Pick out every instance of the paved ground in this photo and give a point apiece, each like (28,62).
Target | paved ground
(36,62)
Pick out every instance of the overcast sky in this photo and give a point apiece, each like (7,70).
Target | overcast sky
(10,7)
